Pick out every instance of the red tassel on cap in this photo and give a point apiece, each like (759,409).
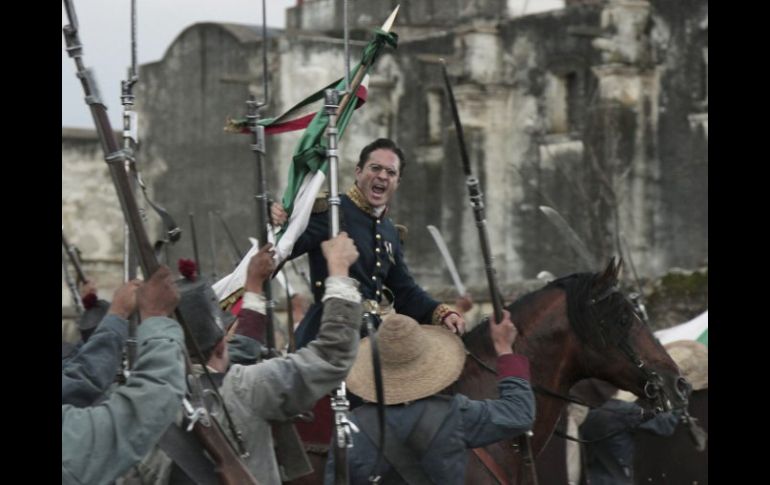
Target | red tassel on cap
(89,301)
(188,268)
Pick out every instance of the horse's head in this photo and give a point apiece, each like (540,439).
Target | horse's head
(616,345)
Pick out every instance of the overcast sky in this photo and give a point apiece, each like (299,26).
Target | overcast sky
(105,31)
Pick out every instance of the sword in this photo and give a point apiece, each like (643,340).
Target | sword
(450,264)
(570,235)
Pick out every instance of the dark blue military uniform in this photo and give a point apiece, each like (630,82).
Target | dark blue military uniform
(611,427)
(380,262)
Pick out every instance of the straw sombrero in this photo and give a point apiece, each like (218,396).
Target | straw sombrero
(417,361)
(692,358)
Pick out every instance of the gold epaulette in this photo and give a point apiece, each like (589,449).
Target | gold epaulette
(228,302)
(402,232)
(321,203)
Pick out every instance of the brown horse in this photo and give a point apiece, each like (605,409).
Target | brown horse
(576,327)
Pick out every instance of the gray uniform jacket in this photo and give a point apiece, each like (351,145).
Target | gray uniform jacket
(87,374)
(278,389)
(100,443)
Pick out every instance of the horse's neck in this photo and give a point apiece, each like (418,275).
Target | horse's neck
(551,352)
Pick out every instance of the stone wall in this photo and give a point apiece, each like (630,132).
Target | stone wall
(598,110)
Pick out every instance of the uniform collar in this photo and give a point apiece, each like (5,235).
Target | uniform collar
(360,201)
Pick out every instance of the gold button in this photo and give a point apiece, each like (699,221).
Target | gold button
(378,221)
(318,284)
(376,250)
(377,292)
(377,236)
(378,264)
(374,277)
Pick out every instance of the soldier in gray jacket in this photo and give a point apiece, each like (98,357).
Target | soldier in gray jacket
(88,372)
(99,443)
(282,387)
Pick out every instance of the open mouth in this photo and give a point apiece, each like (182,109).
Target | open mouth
(378,189)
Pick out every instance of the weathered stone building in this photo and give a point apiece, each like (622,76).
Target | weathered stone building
(91,216)
(599,111)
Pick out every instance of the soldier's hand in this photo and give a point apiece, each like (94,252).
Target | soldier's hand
(158,296)
(278,214)
(504,334)
(455,323)
(261,267)
(340,252)
(124,300)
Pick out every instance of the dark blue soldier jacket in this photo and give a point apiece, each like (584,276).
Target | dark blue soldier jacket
(380,264)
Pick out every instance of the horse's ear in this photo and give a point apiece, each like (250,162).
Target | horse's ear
(618,267)
(607,273)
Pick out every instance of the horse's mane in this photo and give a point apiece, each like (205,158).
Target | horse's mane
(605,322)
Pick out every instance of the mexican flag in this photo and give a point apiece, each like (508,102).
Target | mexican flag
(307,172)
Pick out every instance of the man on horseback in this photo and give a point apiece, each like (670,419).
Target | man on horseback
(426,434)
(381,267)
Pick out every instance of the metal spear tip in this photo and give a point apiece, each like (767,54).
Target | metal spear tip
(389,23)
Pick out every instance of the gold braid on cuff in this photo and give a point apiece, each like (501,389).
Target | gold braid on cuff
(440,313)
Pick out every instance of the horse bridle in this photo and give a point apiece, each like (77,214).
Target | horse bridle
(653,382)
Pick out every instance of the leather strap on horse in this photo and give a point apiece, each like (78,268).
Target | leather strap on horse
(496,470)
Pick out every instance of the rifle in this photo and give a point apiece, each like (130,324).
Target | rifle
(73,257)
(260,184)
(230,469)
(477,202)
(77,302)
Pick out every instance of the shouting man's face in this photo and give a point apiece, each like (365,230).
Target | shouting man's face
(378,179)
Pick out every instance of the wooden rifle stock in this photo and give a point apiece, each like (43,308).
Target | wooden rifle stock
(229,465)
